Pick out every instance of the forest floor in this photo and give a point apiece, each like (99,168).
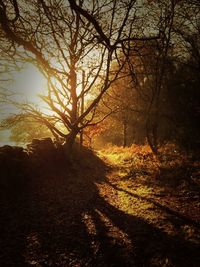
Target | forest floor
(123,207)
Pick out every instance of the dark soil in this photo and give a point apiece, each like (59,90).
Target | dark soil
(82,213)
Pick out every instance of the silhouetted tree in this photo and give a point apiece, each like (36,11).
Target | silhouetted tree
(63,39)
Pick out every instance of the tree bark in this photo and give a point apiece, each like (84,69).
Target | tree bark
(69,143)
(124,134)
(82,105)
(151,133)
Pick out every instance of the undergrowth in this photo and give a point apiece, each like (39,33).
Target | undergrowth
(172,166)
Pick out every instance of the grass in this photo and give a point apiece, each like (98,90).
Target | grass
(171,165)
(144,180)
(124,207)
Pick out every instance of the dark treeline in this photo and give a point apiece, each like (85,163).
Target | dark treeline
(157,98)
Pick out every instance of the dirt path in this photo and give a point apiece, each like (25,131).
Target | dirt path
(166,222)
(146,192)
(95,213)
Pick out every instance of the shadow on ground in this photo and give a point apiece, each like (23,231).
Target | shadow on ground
(54,215)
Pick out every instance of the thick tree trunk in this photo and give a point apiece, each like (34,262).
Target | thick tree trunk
(69,143)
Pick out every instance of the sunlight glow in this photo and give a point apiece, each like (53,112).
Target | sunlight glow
(28,83)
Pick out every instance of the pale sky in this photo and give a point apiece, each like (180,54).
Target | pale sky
(26,86)
(28,83)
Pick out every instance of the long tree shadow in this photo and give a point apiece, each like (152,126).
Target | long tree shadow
(178,215)
(64,221)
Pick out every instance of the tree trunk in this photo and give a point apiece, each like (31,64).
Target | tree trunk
(151,133)
(69,142)
(82,105)
(124,134)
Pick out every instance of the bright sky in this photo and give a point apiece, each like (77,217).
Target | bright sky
(27,84)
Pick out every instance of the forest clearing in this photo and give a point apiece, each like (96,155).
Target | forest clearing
(122,208)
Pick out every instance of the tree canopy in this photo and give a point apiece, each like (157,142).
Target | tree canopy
(82,53)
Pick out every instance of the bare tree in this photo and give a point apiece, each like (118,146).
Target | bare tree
(64,38)
(167,11)
(180,29)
